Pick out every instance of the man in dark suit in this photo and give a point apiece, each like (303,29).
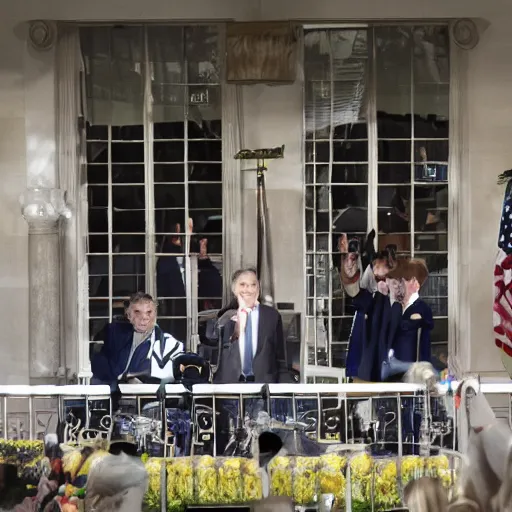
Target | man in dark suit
(252,348)
(410,328)
(138,346)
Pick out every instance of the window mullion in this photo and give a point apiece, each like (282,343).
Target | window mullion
(110,223)
(110,227)
(328,263)
(412,200)
(316,259)
(187,238)
(373,168)
(149,187)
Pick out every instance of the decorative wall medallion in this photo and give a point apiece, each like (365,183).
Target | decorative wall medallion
(42,35)
(465,34)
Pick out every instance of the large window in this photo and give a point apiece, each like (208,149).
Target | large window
(376,111)
(154,170)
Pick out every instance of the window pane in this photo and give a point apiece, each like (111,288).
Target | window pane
(97,174)
(98,220)
(183,68)
(169,196)
(336,63)
(129,243)
(97,243)
(98,308)
(394,173)
(128,173)
(349,173)
(166,52)
(95,326)
(169,131)
(165,173)
(412,151)
(113,58)
(412,104)
(202,54)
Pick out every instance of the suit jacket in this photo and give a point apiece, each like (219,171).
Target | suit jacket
(269,360)
(111,361)
(372,316)
(404,331)
(363,304)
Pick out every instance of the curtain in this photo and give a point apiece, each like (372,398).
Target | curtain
(336,60)
(114,82)
(232,141)
(74,291)
(116,60)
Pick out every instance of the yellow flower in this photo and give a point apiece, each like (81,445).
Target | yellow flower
(331,477)
(180,480)
(439,467)
(71,462)
(361,464)
(206,483)
(91,461)
(69,490)
(412,468)
(280,473)
(360,470)
(252,484)
(386,485)
(230,480)
(305,489)
(438,462)
(154,469)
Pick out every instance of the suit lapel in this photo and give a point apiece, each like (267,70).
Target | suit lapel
(232,346)
(396,318)
(261,329)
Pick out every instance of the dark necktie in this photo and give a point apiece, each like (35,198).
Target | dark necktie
(247,363)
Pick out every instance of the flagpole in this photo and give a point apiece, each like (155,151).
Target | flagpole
(264,264)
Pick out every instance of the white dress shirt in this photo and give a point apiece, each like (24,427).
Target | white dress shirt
(255,317)
(412,299)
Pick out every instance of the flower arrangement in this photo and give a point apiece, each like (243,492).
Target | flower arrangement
(21,453)
(180,483)
(230,480)
(361,467)
(280,476)
(385,483)
(331,477)
(152,499)
(251,481)
(305,478)
(305,482)
(207,480)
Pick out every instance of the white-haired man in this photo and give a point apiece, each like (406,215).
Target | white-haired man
(136,348)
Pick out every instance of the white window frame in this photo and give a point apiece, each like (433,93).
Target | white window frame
(458,189)
(230,118)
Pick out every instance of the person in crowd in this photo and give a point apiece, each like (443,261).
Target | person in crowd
(170,277)
(117,483)
(410,327)
(369,297)
(137,349)
(252,347)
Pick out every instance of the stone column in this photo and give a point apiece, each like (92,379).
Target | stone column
(43,208)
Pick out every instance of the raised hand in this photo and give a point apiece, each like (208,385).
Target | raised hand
(203,248)
(350,265)
(343,243)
